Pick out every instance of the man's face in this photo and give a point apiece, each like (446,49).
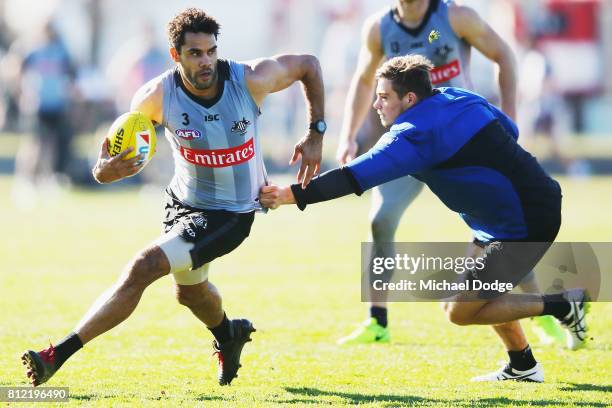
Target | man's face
(198,60)
(411,3)
(388,104)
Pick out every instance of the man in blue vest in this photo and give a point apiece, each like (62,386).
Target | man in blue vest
(465,150)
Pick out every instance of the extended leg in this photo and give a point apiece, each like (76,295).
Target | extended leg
(118,302)
(113,307)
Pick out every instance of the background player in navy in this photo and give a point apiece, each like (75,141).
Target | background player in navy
(465,150)
(210,207)
(405,29)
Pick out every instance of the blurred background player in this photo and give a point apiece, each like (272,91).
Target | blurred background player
(539,101)
(46,82)
(142,60)
(210,109)
(444,33)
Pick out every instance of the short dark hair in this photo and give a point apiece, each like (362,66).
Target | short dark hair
(191,20)
(409,73)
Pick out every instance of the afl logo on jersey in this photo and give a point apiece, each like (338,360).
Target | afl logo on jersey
(188,134)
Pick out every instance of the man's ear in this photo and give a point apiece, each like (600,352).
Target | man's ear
(174,54)
(410,99)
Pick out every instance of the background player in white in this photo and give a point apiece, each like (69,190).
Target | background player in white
(204,85)
(405,29)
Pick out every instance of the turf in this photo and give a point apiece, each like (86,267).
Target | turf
(297,278)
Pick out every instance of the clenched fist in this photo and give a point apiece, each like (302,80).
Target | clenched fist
(110,169)
(274,196)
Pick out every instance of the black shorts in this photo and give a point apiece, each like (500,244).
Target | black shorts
(512,261)
(214,233)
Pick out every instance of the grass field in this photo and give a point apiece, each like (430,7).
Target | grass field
(297,278)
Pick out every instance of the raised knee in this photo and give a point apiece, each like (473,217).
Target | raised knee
(456,316)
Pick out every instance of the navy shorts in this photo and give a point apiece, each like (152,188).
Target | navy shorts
(512,261)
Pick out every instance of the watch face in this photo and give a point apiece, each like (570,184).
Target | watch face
(320,126)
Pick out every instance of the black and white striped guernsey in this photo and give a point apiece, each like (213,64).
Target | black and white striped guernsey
(215,143)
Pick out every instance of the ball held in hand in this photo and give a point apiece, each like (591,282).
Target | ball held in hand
(132,129)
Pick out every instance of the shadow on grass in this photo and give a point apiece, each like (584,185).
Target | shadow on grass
(300,401)
(355,398)
(207,397)
(97,397)
(89,397)
(586,387)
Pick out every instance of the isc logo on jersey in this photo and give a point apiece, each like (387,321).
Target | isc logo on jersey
(132,129)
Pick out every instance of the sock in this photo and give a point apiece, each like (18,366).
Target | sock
(380,314)
(67,347)
(522,360)
(222,332)
(556,305)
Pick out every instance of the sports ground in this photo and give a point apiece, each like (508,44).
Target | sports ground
(297,278)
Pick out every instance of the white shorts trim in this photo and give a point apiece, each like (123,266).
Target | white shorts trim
(177,250)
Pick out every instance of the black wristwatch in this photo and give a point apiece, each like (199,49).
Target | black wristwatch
(318,126)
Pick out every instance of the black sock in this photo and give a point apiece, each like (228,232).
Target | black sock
(522,360)
(222,332)
(555,305)
(67,347)
(380,314)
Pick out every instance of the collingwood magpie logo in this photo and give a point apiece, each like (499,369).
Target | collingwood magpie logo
(200,221)
(443,52)
(240,126)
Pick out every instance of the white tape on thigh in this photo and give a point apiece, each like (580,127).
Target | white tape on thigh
(191,277)
(177,252)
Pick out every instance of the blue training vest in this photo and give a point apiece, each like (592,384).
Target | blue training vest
(465,150)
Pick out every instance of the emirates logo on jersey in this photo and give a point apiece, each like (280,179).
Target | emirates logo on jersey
(445,73)
(220,157)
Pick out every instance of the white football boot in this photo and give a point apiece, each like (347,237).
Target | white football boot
(575,321)
(535,374)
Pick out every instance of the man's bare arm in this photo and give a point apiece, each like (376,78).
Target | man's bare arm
(361,90)
(468,25)
(149,100)
(268,75)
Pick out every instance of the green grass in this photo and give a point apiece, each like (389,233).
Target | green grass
(297,278)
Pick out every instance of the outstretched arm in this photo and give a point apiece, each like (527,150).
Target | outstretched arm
(265,76)
(468,25)
(392,157)
(329,185)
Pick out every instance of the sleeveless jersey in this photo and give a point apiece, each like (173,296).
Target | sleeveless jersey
(449,53)
(215,143)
